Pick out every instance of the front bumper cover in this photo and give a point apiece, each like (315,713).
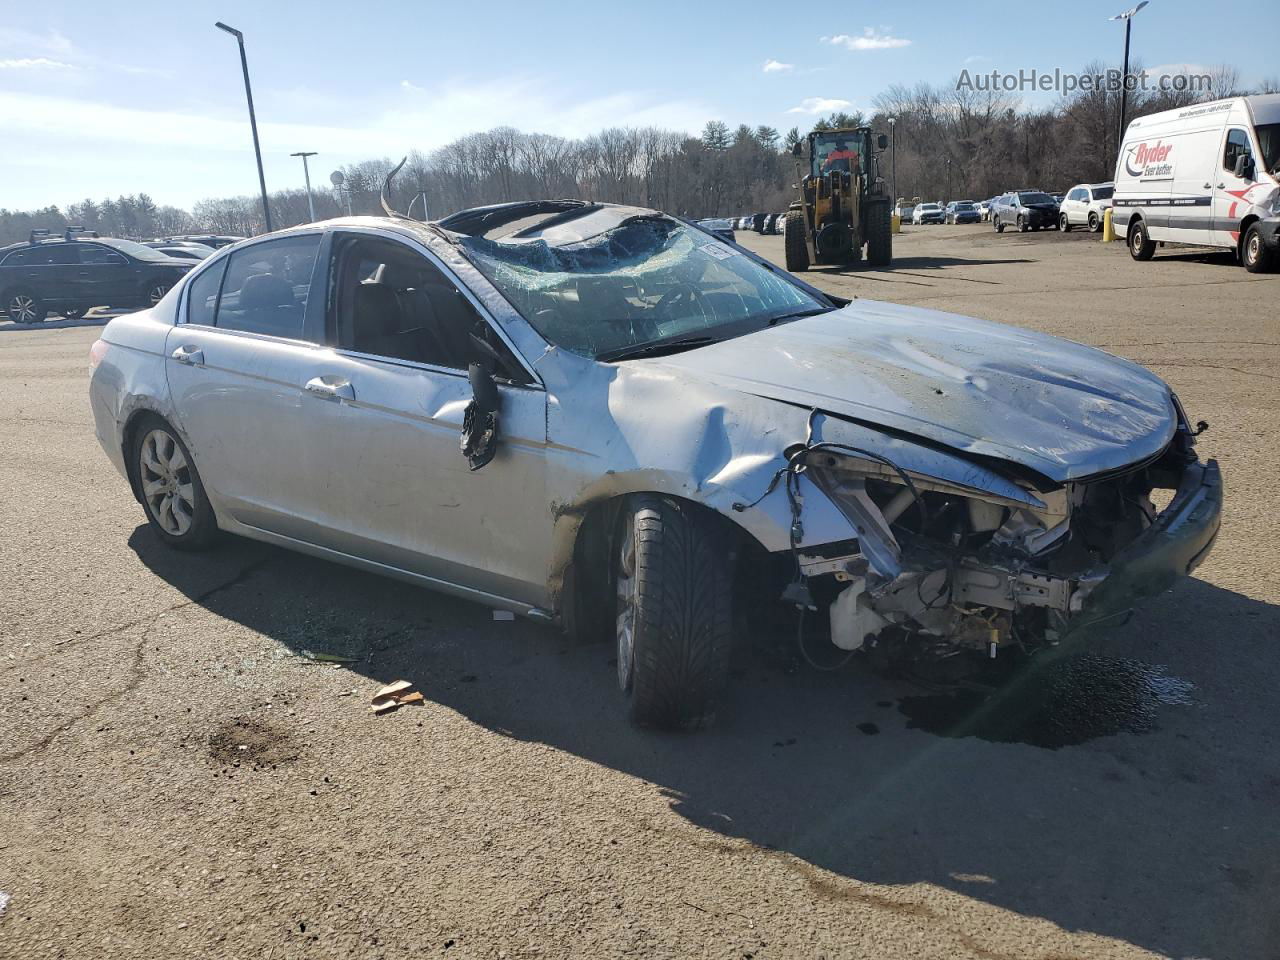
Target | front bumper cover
(1173,546)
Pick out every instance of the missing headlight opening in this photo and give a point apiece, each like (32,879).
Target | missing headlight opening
(938,569)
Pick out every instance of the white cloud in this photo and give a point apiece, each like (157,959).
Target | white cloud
(821,105)
(34,63)
(776,66)
(871,39)
(977,58)
(28,41)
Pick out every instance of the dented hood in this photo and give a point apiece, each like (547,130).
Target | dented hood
(1062,409)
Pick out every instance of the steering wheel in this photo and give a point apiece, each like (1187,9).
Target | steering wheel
(686,295)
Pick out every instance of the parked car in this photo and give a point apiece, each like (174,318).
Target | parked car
(984,210)
(506,386)
(1085,205)
(722,227)
(182,251)
(928,213)
(217,241)
(1026,210)
(962,211)
(1208,176)
(905,212)
(79,270)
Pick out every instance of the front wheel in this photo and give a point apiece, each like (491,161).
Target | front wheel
(998,224)
(879,235)
(1141,246)
(672,580)
(1022,224)
(23,306)
(1094,223)
(171,490)
(1254,253)
(793,242)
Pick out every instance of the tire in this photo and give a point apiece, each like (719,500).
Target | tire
(673,626)
(23,306)
(1254,253)
(879,235)
(1022,224)
(998,224)
(166,480)
(152,293)
(1095,224)
(797,252)
(1141,246)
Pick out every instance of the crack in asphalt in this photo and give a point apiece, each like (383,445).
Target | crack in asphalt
(137,673)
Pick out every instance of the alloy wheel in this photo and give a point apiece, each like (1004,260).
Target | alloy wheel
(22,308)
(156,293)
(627,583)
(165,477)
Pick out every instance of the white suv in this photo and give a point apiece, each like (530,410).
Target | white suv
(1085,205)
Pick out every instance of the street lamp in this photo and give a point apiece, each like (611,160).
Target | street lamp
(893,158)
(306,174)
(1127,17)
(253,121)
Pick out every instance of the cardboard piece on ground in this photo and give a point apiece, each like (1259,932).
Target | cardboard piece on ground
(391,689)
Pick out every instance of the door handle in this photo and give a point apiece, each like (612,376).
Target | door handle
(1222,186)
(330,388)
(191,356)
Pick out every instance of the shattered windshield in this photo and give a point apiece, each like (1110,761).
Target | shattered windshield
(600,285)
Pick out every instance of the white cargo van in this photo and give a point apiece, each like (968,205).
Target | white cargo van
(1207,175)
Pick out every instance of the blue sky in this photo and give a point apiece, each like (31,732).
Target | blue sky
(101,99)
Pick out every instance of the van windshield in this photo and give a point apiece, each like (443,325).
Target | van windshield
(1269,143)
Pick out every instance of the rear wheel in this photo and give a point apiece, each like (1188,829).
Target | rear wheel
(172,494)
(794,242)
(23,306)
(879,235)
(1141,246)
(155,292)
(1254,253)
(673,585)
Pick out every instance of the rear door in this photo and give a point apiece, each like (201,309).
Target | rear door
(237,368)
(398,490)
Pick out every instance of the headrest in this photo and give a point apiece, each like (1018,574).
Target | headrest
(266,290)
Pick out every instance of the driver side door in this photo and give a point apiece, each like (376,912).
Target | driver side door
(399,491)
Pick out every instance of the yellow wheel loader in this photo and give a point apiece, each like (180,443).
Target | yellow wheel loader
(844,203)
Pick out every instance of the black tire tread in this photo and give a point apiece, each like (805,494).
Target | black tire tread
(879,235)
(683,629)
(797,252)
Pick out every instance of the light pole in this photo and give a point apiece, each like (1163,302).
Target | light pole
(893,158)
(253,121)
(306,175)
(1127,17)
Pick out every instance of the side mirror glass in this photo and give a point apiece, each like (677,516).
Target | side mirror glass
(882,142)
(798,149)
(1244,166)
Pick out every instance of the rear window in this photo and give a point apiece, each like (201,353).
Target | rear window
(1036,198)
(1103,193)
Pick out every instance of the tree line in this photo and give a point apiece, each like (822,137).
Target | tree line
(949,142)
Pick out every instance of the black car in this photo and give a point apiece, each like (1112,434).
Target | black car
(1026,210)
(70,274)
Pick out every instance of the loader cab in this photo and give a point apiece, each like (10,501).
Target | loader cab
(843,151)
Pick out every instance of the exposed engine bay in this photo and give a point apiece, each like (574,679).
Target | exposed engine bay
(942,570)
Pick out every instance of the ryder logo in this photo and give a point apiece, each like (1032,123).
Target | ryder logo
(1146,160)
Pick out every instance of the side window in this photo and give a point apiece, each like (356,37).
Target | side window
(202,295)
(1237,146)
(393,302)
(16,259)
(53,255)
(266,287)
(92,253)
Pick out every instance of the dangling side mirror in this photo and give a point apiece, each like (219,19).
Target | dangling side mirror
(798,149)
(479,439)
(882,142)
(1244,167)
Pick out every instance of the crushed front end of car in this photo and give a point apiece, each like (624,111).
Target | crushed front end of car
(938,569)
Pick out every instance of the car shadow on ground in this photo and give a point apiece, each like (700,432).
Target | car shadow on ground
(1153,824)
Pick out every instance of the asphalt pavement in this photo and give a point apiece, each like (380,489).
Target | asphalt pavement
(180,775)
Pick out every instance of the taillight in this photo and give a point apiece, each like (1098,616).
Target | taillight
(96,353)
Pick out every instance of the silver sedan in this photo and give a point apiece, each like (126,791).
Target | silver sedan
(608,418)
